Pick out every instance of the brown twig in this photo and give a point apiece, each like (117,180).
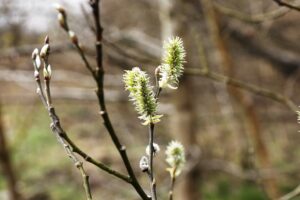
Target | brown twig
(256,18)
(95,5)
(55,125)
(173,179)
(98,75)
(151,170)
(249,87)
(57,130)
(61,135)
(282,3)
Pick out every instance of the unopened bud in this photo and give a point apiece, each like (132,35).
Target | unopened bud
(36,74)
(47,72)
(38,63)
(144,164)
(62,21)
(45,51)
(156,149)
(73,37)
(59,8)
(157,71)
(34,53)
(46,41)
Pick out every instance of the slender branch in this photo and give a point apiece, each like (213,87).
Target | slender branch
(56,130)
(74,147)
(61,135)
(98,76)
(282,3)
(173,179)
(151,170)
(100,94)
(251,88)
(89,159)
(256,18)
(83,57)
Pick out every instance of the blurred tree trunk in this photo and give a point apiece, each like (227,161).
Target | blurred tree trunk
(183,120)
(225,61)
(6,164)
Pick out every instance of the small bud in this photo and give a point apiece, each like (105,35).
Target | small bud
(144,164)
(59,8)
(62,21)
(73,37)
(36,59)
(36,74)
(47,72)
(49,69)
(38,63)
(45,51)
(62,17)
(157,71)
(34,53)
(46,41)
(156,149)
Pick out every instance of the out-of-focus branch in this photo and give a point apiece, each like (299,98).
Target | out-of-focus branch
(6,165)
(248,87)
(248,37)
(288,5)
(257,18)
(292,194)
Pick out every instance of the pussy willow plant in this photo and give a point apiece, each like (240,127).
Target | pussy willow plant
(145,99)
(137,82)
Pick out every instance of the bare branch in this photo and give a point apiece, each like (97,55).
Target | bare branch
(257,18)
(251,88)
(282,3)
(99,78)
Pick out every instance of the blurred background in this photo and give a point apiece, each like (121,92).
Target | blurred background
(241,142)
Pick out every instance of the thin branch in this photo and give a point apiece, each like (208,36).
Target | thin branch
(61,135)
(249,87)
(89,159)
(282,3)
(257,18)
(151,170)
(95,5)
(98,76)
(173,179)
(55,127)
(74,147)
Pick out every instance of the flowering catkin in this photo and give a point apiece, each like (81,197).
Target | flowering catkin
(172,63)
(141,93)
(175,157)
